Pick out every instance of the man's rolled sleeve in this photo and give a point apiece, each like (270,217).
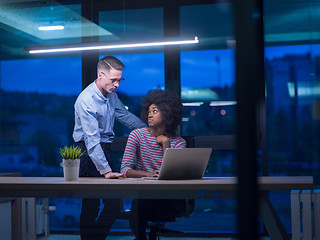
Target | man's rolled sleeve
(99,159)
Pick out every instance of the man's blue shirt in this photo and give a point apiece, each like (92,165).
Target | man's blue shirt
(94,120)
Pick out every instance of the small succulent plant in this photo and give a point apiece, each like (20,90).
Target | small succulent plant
(71,152)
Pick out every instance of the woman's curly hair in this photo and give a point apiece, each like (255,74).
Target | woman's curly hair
(168,103)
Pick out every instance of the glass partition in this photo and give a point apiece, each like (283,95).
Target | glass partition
(208,95)
(292,56)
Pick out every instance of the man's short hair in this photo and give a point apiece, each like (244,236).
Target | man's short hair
(110,62)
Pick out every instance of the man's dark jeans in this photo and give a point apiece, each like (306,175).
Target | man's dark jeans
(95,223)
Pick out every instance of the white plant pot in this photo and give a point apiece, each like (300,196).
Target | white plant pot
(71,169)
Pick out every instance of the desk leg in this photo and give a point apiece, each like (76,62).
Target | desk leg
(45,205)
(306,199)
(316,202)
(295,214)
(16,219)
(271,220)
(28,219)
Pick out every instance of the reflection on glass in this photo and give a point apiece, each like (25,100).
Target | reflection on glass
(292,90)
(132,24)
(205,21)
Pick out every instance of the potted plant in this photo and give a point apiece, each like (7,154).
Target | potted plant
(71,162)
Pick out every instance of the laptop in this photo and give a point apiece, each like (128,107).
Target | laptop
(183,163)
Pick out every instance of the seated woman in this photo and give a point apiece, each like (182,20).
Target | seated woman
(163,110)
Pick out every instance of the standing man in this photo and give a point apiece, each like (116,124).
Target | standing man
(96,108)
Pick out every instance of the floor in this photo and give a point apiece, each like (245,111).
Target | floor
(76,237)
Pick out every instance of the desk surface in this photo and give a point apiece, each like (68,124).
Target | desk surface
(138,188)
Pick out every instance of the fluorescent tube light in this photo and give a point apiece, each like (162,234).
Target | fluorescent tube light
(222,103)
(100,46)
(193,104)
(50,28)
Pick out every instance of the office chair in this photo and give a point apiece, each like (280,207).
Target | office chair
(158,227)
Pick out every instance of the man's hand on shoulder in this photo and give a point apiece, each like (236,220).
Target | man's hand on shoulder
(114,175)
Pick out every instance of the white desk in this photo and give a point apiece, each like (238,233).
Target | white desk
(56,187)
(138,188)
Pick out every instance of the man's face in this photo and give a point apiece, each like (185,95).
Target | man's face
(108,82)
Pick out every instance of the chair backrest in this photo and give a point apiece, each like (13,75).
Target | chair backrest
(190,140)
(189,203)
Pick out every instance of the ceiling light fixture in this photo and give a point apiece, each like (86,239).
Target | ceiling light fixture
(192,104)
(50,28)
(222,103)
(102,46)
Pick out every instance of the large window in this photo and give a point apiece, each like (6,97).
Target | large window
(208,92)
(37,97)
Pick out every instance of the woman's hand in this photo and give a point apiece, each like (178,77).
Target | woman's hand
(152,174)
(164,141)
(131,173)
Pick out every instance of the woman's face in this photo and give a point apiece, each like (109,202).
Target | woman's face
(154,116)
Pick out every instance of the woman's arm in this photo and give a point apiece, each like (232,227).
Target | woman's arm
(131,173)
(164,141)
(129,155)
(130,152)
